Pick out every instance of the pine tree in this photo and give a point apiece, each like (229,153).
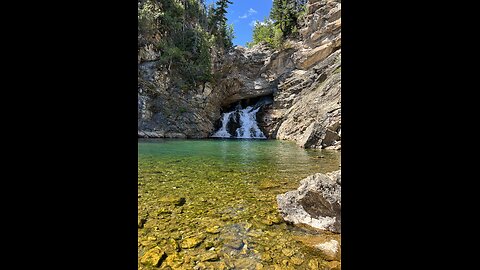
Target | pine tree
(211,18)
(221,10)
(285,14)
(219,23)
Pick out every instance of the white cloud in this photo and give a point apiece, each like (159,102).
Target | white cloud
(255,22)
(249,13)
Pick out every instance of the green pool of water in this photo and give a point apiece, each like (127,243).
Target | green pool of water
(211,204)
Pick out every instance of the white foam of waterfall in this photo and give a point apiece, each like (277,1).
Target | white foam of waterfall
(222,132)
(249,127)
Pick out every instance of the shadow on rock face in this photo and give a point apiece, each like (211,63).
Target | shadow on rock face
(316,202)
(316,205)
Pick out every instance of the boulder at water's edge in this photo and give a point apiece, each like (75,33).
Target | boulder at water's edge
(316,202)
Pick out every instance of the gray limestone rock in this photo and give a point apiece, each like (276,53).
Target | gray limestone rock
(316,202)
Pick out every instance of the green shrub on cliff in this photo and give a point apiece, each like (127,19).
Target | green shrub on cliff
(281,24)
(266,32)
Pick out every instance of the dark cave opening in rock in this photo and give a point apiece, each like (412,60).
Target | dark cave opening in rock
(253,101)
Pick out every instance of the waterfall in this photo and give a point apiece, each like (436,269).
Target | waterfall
(248,124)
(222,132)
(240,123)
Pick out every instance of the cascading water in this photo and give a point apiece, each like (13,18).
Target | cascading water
(248,124)
(222,132)
(241,123)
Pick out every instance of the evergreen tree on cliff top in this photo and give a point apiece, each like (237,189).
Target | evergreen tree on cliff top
(221,10)
(219,23)
(285,14)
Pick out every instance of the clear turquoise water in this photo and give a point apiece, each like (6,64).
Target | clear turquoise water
(229,186)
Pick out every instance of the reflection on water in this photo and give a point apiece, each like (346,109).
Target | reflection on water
(229,218)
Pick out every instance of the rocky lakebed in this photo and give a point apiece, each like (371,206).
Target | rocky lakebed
(232,204)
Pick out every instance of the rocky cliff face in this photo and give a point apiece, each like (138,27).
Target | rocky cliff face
(168,111)
(307,103)
(303,78)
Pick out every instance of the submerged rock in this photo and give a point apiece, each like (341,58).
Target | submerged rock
(177,201)
(259,266)
(209,256)
(268,185)
(288,252)
(328,246)
(245,263)
(275,219)
(266,257)
(174,261)
(333,265)
(213,230)
(141,222)
(316,202)
(313,264)
(163,211)
(330,250)
(296,260)
(173,244)
(153,257)
(192,242)
(209,245)
(234,243)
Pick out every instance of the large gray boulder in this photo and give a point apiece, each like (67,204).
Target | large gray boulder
(316,202)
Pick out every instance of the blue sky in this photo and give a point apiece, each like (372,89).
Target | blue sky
(242,14)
